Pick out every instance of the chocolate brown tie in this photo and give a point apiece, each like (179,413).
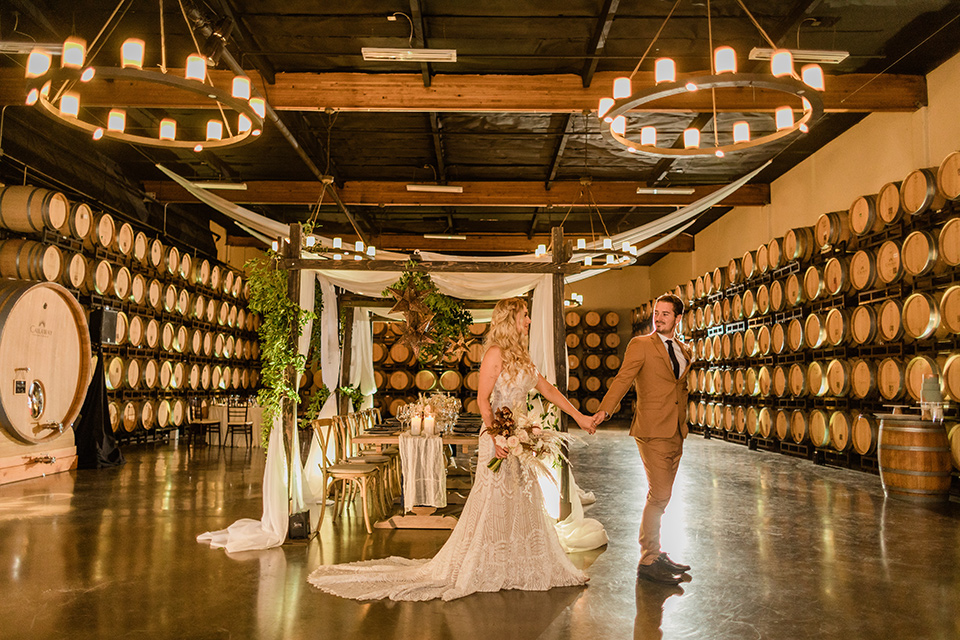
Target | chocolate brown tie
(673,359)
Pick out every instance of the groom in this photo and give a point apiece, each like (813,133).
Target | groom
(656,365)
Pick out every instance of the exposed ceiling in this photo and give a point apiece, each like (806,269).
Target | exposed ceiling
(509,120)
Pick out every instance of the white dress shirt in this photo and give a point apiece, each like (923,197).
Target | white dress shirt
(676,350)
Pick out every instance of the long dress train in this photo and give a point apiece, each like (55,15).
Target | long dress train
(503,540)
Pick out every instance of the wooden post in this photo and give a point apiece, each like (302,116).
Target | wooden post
(292,251)
(561,254)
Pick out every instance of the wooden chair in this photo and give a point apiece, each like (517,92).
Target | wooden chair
(343,478)
(237,423)
(199,426)
(346,428)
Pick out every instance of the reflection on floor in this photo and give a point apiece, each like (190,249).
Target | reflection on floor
(780,549)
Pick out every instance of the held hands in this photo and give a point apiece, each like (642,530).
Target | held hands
(597,418)
(587,423)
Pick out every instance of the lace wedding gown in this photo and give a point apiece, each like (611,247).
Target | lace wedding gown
(504,539)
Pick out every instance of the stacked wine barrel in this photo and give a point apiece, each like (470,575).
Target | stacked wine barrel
(802,340)
(183,329)
(400,377)
(594,354)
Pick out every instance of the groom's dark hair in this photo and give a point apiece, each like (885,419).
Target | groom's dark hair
(674,300)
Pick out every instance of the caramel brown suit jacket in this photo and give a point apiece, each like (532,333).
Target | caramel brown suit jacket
(661,398)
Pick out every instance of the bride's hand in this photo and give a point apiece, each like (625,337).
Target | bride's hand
(586,423)
(502,452)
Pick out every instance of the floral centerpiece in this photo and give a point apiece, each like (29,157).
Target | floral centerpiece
(443,408)
(524,437)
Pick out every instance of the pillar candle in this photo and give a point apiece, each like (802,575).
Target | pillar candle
(415,425)
(429,424)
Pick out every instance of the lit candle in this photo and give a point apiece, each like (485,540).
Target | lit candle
(429,425)
(415,422)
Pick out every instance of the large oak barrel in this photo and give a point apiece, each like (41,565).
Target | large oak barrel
(891,378)
(74,272)
(425,380)
(130,416)
(889,264)
(611,319)
(734,271)
(113,370)
(836,276)
(832,229)
(863,270)
(863,216)
(919,193)
(840,427)
(31,209)
(920,254)
(914,459)
(379,352)
(888,203)
(765,422)
(863,325)
(890,320)
(28,260)
(863,378)
(781,424)
(45,351)
(948,176)
(748,265)
(103,233)
(818,428)
(814,331)
(779,381)
(797,380)
(78,222)
(719,279)
(775,258)
(838,327)
(591,319)
(817,379)
(953,435)
(171,260)
(591,340)
(592,361)
(764,342)
(793,290)
(921,316)
(839,377)
(215,273)
(451,380)
(400,353)
(798,244)
(571,319)
(122,282)
(864,434)
(573,362)
(474,353)
(799,426)
(795,335)
(751,421)
(123,326)
(141,248)
(763,258)
(812,283)
(948,242)
(151,373)
(124,239)
(951,378)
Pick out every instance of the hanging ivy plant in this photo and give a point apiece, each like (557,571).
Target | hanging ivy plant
(354,394)
(450,321)
(316,403)
(283,321)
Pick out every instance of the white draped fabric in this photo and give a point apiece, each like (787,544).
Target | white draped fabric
(271,529)
(424,471)
(361,358)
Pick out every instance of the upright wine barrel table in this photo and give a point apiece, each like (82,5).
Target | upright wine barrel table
(914,458)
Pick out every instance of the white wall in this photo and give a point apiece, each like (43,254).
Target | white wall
(883,147)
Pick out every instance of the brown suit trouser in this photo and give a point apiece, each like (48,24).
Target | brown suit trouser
(661,459)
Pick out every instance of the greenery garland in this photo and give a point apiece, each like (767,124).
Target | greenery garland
(450,322)
(282,323)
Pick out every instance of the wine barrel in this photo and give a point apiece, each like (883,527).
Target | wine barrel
(740,381)
(379,352)
(764,380)
(612,362)
(814,331)
(793,291)
(817,379)
(151,373)
(425,380)
(719,279)
(122,282)
(215,273)
(797,380)
(779,381)
(45,349)
(227,279)
(839,377)
(571,319)
(148,414)
(113,371)
(799,426)
(164,414)
(921,316)
(864,434)
(748,265)
(135,331)
(210,313)
(950,309)
(400,353)
(186,270)
(138,289)
(591,340)
(798,244)
(751,382)
(891,378)
(863,216)
(573,383)
(832,229)
(749,304)
(762,300)
(451,380)
(948,176)
(765,424)
(738,344)
(151,333)
(79,221)
(726,346)
(863,378)
(474,353)
(592,384)
(28,260)
(914,458)
(171,260)
(592,362)
(775,254)
(764,342)
(734,271)
(889,265)
(141,248)
(154,297)
(472,380)
(917,369)
(206,374)
(716,382)
(812,283)
(611,341)
(777,296)
(750,347)
(123,327)
(763,259)
(133,373)
(183,305)
(727,382)
(818,428)
(155,255)
(948,242)
(919,193)
(838,327)
(953,435)
(890,320)
(114,410)
(591,319)
(920,254)
(124,239)
(31,209)
(216,378)
(863,270)
(781,425)
(864,325)
(573,362)
(751,423)
(611,319)
(74,272)
(795,335)
(888,203)
(130,416)
(478,329)
(836,276)
(196,342)
(103,234)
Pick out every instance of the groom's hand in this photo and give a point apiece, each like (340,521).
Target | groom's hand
(599,417)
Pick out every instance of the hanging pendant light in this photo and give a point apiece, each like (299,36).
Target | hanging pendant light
(648,136)
(812,76)
(241,88)
(605,105)
(131,53)
(621,88)
(214,130)
(664,70)
(117,120)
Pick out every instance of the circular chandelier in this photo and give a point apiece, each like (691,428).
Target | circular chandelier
(723,75)
(57,92)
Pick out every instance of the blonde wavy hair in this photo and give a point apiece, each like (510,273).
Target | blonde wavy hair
(503,333)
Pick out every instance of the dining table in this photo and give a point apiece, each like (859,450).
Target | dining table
(418,516)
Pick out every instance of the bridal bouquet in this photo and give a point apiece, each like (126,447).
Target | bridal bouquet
(524,438)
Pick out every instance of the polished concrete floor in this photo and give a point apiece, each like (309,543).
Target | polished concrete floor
(781,549)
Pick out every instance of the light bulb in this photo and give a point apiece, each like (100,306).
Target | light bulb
(38,63)
(581,243)
(131,53)
(664,70)
(168,129)
(116,120)
(196,68)
(358,246)
(610,259)
(541,249)
(33,97)
(648,136)
(588,261)
(621,88)
(803,128)
(691,87)
(605,105)
(784,118)
(259,107)
(371,251)
(98,133)
(87,74)
(311,241)
(198,148)
(70,104)
(741,132)
(812,76)
(358,257)
(691,138)
(625,247)
(337,256)
(619,125)
(275,245)
(724,60)
(214,130)
(781,63)
(243,124)
(607,243)
(241,87)
(632,149)
(74,53)
(719,153)
(338,243)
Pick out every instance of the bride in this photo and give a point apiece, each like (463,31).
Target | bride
(503,539)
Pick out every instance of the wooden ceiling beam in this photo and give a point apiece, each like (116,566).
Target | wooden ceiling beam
(475,194)
(478,93)
(505,243)
(599,40)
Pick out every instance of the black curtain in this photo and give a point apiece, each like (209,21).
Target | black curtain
(96,446)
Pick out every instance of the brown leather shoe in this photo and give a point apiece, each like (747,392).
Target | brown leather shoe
(658,573)
(675,567)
